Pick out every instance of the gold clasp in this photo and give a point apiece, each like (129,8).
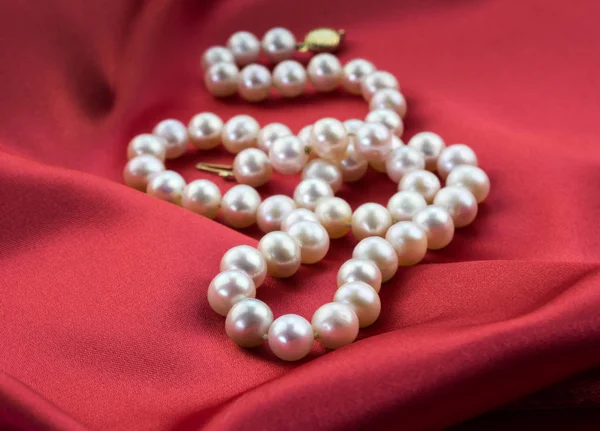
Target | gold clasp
(321,40)
(224,171)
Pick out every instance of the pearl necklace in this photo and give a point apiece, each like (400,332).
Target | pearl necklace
(420,216)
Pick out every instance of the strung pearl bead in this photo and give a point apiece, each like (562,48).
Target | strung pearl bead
(373,141)
(138,170)
(460,204)
(409,241)
(299,214)
(380,252)
(304,135)
(287,155)
(254,83)
(279,44)
(380,165)
(205,130)
(453,156)
(281,252)
(308,193)
(175,135)
(360,270)
(291,337)
(388,118)
(247,259)
(248,322)
(352,126)
(389,98)
(239,133)
(325,171)
(324,72)
(202,197)
(272,211)
(245,47)
(216,54)
(423,182)
(363,299)
(329,139)
(289,77)
(404,205)
(239,206)
(437,224)
(335,215)
(227,288)
(354,72)
(430,146)
(221,79)
(269,134)
(376,81)
(370,219)
(472,178)
(313,240)
(335,325)
(147,144)
(252,167)
(353,166)
(403,160)
(167,186)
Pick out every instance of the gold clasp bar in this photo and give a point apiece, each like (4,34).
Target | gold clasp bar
(224,171)
(321,40)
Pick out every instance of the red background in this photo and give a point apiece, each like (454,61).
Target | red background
(104,322)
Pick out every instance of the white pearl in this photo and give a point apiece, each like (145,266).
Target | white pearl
(354,72)
(335,215)
(279,44)
(202,197)
(472,178)
(324,72)
(437,224)
(287,155)
(453,156)
(329,139)
(299,214)
(246,259)
(353,166)
(388,118)
(239,206)
(138,171)
(430,146)
(291,337)
(376,81)
(380,165)
(251,166)
(228,288)
(335,325)
(404,205)
(409,241)
(325,171)
(269,134)
(313,240)
(254,83)
(403,160)
(221,79)
(205,130)
(370,219)
(380,252)
(147,144)
(239,133)
(363,299)
(281,252)
(175,134)
(460,204)
(373,141)
(360,270)
(308,193)
(273,211)
(244,46)
(304,135)
(167,186)
(289,77)
(388,98)
(248,322)
(423,182)
(353,125)
(216,54)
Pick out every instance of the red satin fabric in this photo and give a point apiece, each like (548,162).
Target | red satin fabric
(104,322)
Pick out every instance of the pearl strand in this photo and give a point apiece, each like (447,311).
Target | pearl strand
(420,216)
